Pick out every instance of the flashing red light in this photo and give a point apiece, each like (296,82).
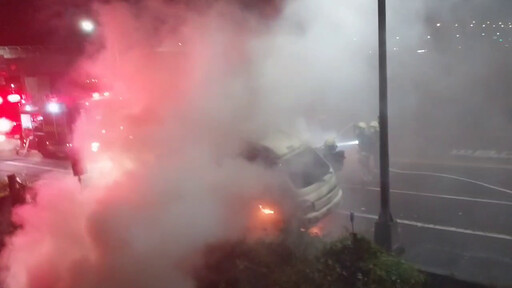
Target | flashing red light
(5,125)
(14,98)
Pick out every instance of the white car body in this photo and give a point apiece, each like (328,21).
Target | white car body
(310,176)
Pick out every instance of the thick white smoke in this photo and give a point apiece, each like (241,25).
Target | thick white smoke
(166,179)
(194,84)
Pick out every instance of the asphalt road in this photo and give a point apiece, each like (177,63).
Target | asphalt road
(31,167)
(454,218)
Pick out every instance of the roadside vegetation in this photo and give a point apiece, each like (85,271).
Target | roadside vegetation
(303,262)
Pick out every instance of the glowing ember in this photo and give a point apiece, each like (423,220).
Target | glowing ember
(266,210)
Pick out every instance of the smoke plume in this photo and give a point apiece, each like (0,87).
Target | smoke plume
(187,87)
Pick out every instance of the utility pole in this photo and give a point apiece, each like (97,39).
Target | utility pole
(385,227)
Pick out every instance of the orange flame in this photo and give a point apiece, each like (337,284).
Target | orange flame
(266,210)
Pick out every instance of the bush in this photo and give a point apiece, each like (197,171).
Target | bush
(303,262)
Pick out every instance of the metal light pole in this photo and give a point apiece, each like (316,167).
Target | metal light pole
(385,225)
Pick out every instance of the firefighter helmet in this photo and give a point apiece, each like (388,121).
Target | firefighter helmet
(374,125)
(330,144)
(360,128)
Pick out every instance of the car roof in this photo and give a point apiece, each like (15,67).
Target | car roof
(282,143)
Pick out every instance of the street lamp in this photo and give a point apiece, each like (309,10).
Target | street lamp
(385,228)
(87,25)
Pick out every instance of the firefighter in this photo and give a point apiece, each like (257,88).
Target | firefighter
(330,152)
(361,132)
(373,145)
(330,145)
(77,164)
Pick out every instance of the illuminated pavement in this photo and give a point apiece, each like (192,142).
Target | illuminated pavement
(31,167)
(448,225)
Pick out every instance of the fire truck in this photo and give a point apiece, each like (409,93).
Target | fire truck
(21,83)
(53,132)
(14,102)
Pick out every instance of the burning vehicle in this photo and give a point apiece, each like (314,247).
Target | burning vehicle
(308,189)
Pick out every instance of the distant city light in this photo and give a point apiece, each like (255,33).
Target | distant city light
(397,38)
(438,24)
(428,37)
(456,25)
(471,25)
(458,35)
(87,26)
(483,34)
(483,25)
(422,51)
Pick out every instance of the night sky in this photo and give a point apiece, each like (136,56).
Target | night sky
(54,22)
(41,22)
